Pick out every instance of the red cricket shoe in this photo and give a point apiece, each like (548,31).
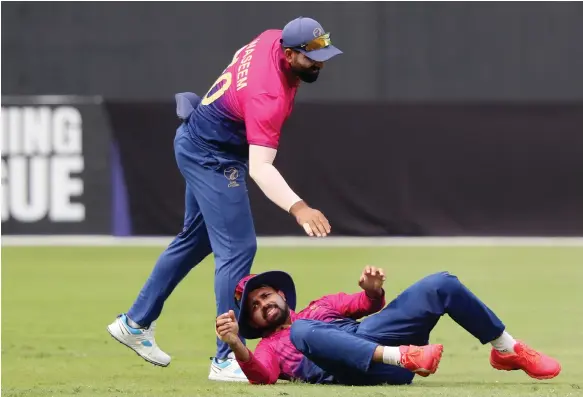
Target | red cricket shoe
(535,364)
(423,360)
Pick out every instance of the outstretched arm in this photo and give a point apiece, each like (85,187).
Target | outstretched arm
(264,117)
(275,187)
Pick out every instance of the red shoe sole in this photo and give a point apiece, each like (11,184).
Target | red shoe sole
(502,367)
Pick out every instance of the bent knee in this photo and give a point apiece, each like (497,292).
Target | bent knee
(444,281)
(299,333)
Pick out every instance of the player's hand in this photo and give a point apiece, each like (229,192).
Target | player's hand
(312,220)
(372,280)
(227,328)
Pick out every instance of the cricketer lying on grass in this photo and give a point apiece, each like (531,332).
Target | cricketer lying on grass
(323,343)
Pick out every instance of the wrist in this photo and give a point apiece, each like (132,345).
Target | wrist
(235,344)
(240,350)
(297,206)
(375,293)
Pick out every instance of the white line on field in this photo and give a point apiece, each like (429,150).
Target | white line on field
(109,241)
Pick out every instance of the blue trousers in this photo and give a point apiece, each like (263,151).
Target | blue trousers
(342,352)
(217,219)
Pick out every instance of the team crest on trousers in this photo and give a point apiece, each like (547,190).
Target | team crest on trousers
(231,174)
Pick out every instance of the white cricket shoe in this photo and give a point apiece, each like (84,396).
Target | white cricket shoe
(227,370)
(139,340)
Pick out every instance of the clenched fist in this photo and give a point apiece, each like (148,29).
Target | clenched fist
(227,328)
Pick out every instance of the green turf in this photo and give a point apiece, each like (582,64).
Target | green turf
(56,303)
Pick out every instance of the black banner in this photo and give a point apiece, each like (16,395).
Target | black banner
(378,169)
(56,176)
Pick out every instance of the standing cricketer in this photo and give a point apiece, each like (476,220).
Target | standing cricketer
(232,130)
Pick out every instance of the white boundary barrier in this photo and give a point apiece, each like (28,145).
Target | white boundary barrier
(110,241)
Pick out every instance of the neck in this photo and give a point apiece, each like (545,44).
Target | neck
(288,322)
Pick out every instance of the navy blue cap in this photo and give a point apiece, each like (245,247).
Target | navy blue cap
(301,31)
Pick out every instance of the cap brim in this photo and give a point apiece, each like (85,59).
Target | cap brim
(323,54)
(279,280)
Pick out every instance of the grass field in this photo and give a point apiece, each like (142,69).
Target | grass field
(57,302)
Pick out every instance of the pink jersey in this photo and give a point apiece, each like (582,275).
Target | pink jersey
(276,357)
(250,101)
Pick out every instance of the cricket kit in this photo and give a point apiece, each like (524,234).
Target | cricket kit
(247,105)
(325,343)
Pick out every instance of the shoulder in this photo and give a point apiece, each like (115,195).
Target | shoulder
(265,75)
(270,34)
(313,306)
(265,343)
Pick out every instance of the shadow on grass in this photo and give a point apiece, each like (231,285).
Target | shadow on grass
(533,384)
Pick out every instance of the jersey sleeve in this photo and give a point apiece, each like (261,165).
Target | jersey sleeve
(264,117)
(355,305)
(262,368)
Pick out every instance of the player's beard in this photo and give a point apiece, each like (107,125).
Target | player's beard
(282,314)
(308,75)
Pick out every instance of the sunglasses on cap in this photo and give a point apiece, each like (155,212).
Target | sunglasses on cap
(317,44)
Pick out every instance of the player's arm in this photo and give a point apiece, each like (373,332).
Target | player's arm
(264,118)
(360,304)
(268,178)
(261,367)
(274,186)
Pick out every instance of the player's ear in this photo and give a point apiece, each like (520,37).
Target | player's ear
(289,54)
